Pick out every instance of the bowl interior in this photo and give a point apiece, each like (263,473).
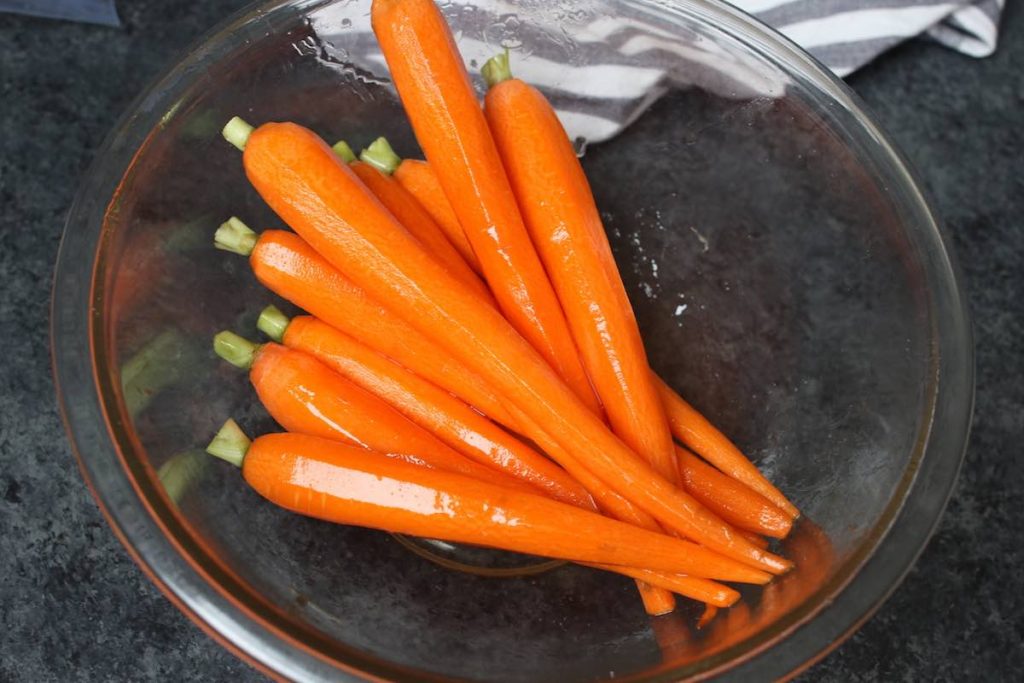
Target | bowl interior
(772,255)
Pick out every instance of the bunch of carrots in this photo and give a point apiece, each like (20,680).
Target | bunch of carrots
(471,369)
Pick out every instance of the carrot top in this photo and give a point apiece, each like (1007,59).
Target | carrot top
(381,156)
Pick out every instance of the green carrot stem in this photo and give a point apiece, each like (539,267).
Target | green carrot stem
(496,69)
(273,323)
(236,350)
(235,236)
(342,149)
(155,366)
(237,132)
(180,472)
(230,444)
(381,156)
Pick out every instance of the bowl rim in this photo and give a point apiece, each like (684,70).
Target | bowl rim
(802,638)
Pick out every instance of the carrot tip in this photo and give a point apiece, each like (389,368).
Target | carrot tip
(273,323)
(497,69)
(230,443)
(710,611)
(236,350)
(381,156)
(342,149)
(235,236)
(237,132)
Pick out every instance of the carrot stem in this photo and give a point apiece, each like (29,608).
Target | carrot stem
(273,323)
(381,156)
(230,444)
(181,472)
(236,350)
(237,132)
(497,69)
(235,236)
(343,151)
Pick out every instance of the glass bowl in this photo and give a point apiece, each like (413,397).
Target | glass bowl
(788,275)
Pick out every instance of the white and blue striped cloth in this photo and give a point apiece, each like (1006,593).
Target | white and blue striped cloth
(620,65)
(609,69)
(843,34)
(847,34)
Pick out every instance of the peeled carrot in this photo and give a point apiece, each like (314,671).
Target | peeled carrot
(730,499)
(444,414)
(305,396)
(421,182)
(657,599)
(695,432)
(339,483)
(692,587)
(707,616)
(544,173)
(388,380)
(442,107)
(756,539)
(560,213)
(416,220)
(290,268)
(429,406)
(312,191)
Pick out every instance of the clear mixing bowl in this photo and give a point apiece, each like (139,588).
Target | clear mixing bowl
(789,278)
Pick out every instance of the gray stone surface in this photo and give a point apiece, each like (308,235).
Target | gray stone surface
(74,607)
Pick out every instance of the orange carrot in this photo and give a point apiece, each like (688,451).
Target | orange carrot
(305,396)
(311,190)
(442,107)
(290,268)
(339,483)
(432,408)
(421,182)
(704,590)
(710,612)
(563,221)
(445,415)
(388,380)
(699,435)
(655,598)
(731,500)
(756,539)
(417,221)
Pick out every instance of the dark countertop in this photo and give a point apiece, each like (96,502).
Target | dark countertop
(75,607)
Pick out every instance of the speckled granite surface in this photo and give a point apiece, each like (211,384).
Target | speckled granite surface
(74,607)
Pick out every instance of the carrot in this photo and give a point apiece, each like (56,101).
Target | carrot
(340,483)
(415,219)
(692,587)
(312,191)
(445,415)
(708,615)
(695,432)
(560,213)
(305,396)
(439,100)
(657,600)
(290,268)
(731,500)
(421,182)
(425,404)
(756,539)
(351,359)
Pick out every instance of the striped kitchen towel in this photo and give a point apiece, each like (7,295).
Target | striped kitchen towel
(604,71)
(847,34)
(601,71)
